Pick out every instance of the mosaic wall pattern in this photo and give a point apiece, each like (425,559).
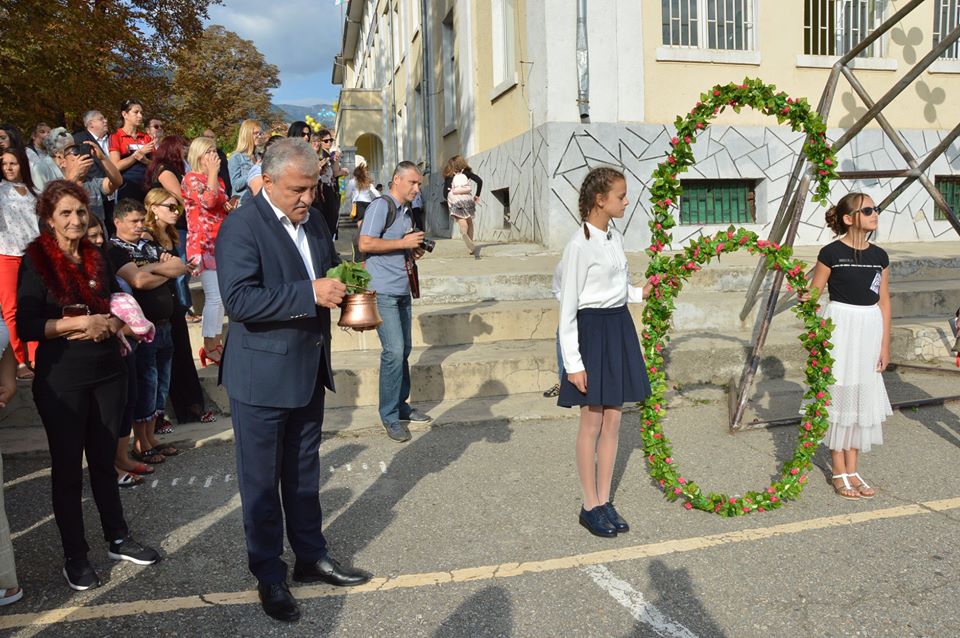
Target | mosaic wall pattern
(543,171)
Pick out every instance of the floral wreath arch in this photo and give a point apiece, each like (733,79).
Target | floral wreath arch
(668,273)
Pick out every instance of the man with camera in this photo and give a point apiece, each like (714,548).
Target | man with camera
(393,245)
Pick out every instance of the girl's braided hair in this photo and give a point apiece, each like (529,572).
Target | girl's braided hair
(598,181)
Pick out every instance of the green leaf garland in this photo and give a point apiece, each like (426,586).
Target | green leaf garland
(669,273)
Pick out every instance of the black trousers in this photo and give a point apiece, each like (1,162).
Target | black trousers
(82,422)
(186,393)
(331,208)
(278,472)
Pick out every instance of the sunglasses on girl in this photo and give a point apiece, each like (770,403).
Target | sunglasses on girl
(868,210)
(173,208)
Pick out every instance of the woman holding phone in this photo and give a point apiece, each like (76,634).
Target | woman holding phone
(130,150)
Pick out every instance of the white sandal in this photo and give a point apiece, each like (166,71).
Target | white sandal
(846,486)
(863,485)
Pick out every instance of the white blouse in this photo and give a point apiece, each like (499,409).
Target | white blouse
(594,276)
(18,220)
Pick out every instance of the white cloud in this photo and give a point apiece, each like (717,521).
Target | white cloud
(301,37)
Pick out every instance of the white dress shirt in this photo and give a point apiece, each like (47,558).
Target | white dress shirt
(594,275)
(298,236)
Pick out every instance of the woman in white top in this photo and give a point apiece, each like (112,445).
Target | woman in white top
(18,227)
(360,190)
(601,352)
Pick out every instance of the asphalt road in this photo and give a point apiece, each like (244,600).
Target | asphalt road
(471,531)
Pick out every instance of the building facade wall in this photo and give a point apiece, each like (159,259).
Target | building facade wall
(528,144)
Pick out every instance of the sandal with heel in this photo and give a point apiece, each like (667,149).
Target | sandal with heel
(848,491)
(870,493)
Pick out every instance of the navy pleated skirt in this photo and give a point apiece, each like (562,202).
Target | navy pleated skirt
(610,349)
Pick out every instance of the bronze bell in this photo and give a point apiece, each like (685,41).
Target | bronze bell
(359,311)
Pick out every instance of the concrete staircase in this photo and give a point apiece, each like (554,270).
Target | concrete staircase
(484,332)
(486,329)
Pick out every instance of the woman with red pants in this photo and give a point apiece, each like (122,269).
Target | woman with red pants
(18,227)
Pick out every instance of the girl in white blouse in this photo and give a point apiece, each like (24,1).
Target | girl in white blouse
(18,227)
(601,352)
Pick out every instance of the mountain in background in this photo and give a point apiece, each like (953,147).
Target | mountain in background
(323,113)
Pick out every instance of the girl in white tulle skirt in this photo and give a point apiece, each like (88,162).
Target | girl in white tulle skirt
(856,274)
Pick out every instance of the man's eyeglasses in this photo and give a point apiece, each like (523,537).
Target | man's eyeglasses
(868,210)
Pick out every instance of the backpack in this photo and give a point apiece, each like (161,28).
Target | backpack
(388,222)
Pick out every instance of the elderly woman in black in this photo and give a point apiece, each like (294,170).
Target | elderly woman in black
(80,386)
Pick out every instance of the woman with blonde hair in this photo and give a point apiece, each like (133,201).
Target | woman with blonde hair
(244,157)
(206,203)
(461,200)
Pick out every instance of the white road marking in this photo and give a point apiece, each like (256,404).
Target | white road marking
(383,467)
(208,481)
(634,602)
(332,469)
(226,479)
(43,521)
(192,479)
(155,483)
(364,466)
(29,477)
(349,469)
(174,482)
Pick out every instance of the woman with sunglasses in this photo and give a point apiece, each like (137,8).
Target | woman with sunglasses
(857,275)
(130,150)
(328,191)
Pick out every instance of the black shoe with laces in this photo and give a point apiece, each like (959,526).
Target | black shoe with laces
(131,550)
(80,574)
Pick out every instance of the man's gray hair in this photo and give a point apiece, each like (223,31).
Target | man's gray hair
(404,166)
(58,140)
(290,152)
(89,116)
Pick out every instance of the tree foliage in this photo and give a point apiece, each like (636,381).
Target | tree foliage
(221,82)
(63,57)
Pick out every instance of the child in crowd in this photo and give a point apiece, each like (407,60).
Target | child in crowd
(601,352)
(856,274)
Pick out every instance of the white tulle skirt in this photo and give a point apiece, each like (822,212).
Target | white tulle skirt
(859,402)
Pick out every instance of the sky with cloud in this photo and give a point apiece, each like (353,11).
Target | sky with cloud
(300,37)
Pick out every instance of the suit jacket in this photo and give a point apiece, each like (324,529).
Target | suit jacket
(279,339)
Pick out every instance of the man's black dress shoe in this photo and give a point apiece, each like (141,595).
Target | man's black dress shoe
(614,517)
(278,602)
(328,570)
(596,522)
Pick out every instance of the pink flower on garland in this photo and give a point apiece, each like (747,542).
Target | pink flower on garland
(688,505)
(774,499)
(677,490)
(682,481)
(770,490)
(668,460)
(676,140)
(794,471)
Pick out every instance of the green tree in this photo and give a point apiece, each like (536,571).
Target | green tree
(63,57)
(222,81)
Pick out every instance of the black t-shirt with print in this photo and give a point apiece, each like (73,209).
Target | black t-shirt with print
(854,274)
(158,304)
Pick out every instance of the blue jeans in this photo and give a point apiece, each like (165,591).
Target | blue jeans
(396,342)
(154,361)
(183,281)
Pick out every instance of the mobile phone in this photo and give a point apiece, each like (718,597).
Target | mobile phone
(76,310)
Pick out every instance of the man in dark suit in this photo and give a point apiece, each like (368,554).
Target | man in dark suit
(272,254)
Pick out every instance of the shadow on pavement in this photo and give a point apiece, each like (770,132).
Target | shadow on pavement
(677,600)
(486,614)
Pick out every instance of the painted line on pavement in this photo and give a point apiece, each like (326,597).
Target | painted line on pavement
(30,477)
(471,574)
(633,600)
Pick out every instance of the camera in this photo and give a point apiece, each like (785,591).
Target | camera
(428,244)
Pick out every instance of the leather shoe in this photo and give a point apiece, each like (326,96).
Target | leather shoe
(278,602)
(328,570)
(596,522)
(614,517)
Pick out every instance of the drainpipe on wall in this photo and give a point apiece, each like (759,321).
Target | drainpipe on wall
(426,92)
(393,94)
(583,63)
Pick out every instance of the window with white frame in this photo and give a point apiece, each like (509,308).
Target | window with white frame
(946,17)
(504,28)
(449,68)
(709,24)
(834,27)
